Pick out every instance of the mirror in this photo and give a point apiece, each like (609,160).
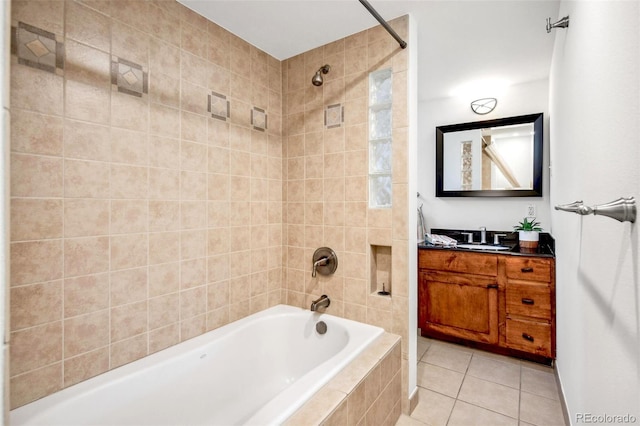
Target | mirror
(493,158)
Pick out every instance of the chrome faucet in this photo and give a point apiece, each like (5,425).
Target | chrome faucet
(483,235)
(496,238)
(322,302)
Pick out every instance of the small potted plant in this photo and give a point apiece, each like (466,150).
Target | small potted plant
(528,234)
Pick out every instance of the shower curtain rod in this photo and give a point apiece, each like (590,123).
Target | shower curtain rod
(401,42)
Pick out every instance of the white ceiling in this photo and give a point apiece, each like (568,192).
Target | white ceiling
(458,41)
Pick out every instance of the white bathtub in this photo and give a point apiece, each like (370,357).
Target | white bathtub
(256,371)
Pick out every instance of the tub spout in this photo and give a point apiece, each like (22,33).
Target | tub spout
(322,302)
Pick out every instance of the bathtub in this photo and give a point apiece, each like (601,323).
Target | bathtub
(256,371)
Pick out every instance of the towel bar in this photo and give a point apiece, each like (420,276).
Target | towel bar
(622,209)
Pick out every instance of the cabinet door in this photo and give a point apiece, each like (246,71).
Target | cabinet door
(464,306)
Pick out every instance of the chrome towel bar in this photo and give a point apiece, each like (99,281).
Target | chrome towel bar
(563,23)
(622,209)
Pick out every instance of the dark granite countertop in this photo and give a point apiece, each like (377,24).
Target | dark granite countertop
(546,246)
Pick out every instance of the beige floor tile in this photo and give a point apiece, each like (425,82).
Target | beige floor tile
(461,386)
(497,357)
(439,379)
(536,366)
(469,415)
(450,345)
(448,357)
(433,409)
(539,382)
(540,411)
(405,420)
(495,370)
(423,345)
(492,396)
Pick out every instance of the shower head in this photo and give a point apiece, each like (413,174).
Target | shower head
(317,78)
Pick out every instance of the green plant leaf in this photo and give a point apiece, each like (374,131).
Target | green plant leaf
(528,225)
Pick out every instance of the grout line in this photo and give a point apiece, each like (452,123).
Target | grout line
(488,409)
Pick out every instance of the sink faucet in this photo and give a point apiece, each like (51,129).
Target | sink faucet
(496,238)
(322,302)
(483,235)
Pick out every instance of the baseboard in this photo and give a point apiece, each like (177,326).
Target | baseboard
(413,400)
(563,401)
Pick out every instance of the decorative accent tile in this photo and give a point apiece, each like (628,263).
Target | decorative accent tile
(129,77)
(333,116)
(218,106)
(37,48)
(466,167)
(259,119)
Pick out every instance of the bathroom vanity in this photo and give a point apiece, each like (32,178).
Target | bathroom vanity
(501,301)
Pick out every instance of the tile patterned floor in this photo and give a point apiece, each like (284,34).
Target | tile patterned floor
(460,386)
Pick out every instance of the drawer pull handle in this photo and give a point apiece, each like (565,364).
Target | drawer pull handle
(527,301)
(527,337)
(492,285)
(529,269)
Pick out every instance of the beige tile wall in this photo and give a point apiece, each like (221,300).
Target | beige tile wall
(326,180)
(137,221)
(142,221)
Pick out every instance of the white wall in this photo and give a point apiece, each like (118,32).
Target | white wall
(5,31)
(595,153)
(470,213)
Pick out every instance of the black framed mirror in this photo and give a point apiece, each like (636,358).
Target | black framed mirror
(492,158)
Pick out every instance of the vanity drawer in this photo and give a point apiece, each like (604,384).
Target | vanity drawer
(529,336)
(455,261)
(529,300)
(529,268)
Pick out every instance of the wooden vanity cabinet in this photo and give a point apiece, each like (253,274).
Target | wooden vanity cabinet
(458,295)
(497,302)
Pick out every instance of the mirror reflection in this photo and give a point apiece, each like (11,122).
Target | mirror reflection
(491,158)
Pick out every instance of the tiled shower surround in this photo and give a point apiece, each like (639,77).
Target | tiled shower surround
(325,180)
(168,178)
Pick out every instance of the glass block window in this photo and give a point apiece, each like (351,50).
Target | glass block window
(380,138)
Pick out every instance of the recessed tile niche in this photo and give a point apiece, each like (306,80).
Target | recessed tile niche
(380,269)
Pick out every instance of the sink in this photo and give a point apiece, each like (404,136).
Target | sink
(482,247)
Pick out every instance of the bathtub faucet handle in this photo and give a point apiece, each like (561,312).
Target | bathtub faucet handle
(324,261)
(320,262)
(322,302)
